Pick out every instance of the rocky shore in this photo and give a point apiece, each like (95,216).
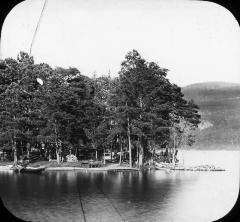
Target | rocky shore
(205,167)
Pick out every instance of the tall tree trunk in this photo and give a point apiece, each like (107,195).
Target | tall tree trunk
(15,153)
(22,148)
(28,150)
(57,152)
(129,144)
(45,154)
(104,160)
(111,152)
(140,140)
(154,152)
(56,143)
(140,154)
(58,156)
(14,145)
(174,148)
(120,160)
(49,156)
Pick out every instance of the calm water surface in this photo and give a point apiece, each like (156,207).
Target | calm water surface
(126,196)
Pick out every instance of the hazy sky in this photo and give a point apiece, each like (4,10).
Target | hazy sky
(197,41)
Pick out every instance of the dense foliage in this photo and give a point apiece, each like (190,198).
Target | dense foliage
(147,108)
(138,111)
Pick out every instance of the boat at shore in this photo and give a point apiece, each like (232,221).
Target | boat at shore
(29,169)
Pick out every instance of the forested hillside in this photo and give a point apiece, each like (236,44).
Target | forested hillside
(219,104)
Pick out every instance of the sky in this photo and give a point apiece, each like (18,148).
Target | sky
(196,41)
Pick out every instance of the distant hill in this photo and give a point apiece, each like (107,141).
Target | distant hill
(219,104)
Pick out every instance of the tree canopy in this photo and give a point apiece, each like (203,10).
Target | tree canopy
(140,109)
(146,104)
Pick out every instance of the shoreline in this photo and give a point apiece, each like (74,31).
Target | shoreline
(91,169)
(117,168)
(70,168)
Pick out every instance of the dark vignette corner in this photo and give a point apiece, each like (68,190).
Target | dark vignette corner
(5,8)
(6,214)
(231,5)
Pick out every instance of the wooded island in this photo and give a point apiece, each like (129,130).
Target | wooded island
(53,113)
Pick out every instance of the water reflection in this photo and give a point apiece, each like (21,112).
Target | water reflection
(117,196)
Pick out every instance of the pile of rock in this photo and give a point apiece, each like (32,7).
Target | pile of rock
(206,168)
(71,158)
(171,166)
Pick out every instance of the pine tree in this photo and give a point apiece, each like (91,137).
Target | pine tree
(145,102)
(19,103)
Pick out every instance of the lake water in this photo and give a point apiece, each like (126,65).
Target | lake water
(155,195)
